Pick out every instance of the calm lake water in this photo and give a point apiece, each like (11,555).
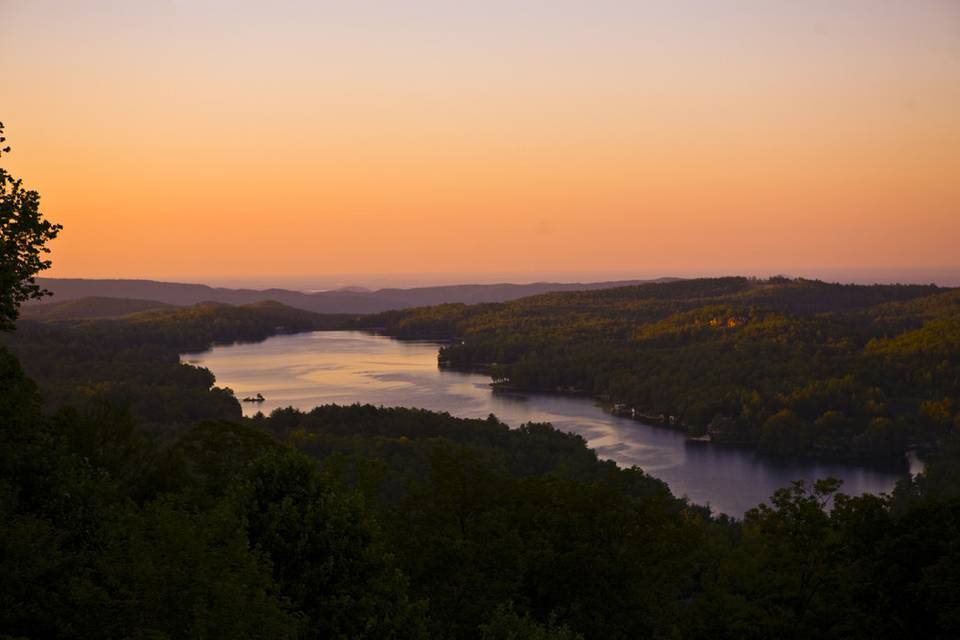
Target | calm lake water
(344,367)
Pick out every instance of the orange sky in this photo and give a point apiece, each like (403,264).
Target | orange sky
(211,140)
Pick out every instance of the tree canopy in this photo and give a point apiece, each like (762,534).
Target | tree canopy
(794,367)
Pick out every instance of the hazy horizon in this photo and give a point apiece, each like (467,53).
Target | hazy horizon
(944,276)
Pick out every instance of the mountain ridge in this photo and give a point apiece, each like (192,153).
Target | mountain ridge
(336,301)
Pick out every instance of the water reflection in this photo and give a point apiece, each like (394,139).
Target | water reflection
(344,367)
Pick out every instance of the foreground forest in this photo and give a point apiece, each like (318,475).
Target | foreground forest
(795,367)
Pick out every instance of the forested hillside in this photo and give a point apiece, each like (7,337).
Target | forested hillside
(793,366)
(133,362)
(89,308)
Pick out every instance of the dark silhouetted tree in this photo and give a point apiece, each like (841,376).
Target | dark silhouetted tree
(24,235)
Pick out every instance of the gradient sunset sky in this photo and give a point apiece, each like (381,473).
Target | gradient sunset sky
(208,140)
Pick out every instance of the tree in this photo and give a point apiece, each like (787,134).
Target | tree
(325,550)
(24,234)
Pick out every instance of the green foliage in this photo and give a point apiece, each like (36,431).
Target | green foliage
(815,563)
(86,552)
(24,234)
(795,367)
(322,545)
(478,515)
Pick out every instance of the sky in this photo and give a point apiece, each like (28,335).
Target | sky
(279,141)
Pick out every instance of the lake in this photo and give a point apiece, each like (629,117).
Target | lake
(344,367)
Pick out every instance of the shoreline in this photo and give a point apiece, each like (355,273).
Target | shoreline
(902,462)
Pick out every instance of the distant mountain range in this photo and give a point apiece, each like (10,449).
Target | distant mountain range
(98,298)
